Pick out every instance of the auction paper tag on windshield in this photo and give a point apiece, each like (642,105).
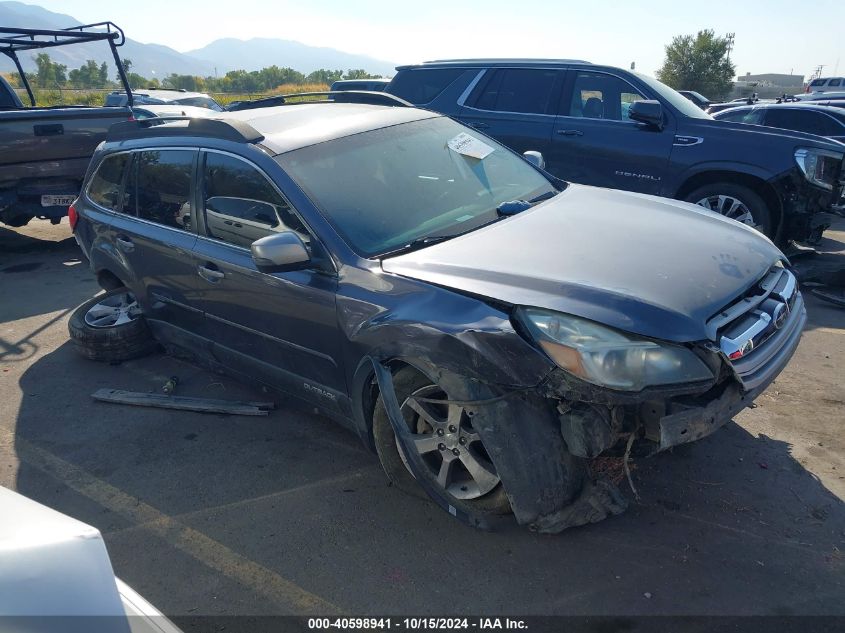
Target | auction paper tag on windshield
(470,146)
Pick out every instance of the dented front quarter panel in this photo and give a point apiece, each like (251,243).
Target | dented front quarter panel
(471,349)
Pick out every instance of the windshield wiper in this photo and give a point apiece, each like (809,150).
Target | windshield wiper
(512,207)
(418,243)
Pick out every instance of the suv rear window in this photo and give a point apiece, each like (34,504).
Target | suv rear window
(164,186)
(523,90)
(104,189)
(422,85)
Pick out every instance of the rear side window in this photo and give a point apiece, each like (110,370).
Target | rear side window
(802,121)
(164,187)
(523,90)
(241,205)
(601,96)
(835,82)
(423,85)
(104,189)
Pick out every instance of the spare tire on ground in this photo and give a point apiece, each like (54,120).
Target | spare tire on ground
(111,327)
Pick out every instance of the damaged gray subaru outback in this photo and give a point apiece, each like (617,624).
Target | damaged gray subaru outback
(485,328)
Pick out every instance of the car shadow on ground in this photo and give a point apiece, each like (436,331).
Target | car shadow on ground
(733,524)
(26,262)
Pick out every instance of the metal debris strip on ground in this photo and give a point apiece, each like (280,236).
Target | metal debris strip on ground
(202,405)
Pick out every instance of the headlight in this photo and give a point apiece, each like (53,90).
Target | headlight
(821,167)
(607,357)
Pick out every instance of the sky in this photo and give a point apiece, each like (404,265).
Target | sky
(779,36)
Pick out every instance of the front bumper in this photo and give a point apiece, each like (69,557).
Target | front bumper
(594,418)
(807,209)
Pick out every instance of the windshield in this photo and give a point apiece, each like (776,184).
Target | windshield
(678,101)
(386,188)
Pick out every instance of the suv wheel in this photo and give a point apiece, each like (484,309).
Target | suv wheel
(449,445)
(736,202)
(110,327)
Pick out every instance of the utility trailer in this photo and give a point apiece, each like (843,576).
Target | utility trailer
(44,151)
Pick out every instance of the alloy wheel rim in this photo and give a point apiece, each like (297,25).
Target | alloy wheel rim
(449,445)
(114,310)
(730,207)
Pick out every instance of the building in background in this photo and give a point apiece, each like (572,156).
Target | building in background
(767,85)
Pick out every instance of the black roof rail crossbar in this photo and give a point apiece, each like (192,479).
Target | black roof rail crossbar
(227,130)
(356,96)
(14,39)
(337,96)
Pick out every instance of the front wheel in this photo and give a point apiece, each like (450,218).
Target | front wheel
(446,440)
(110,327)
(736,202)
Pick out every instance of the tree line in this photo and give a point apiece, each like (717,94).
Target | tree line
(50,74)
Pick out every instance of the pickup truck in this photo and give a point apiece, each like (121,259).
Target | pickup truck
(48,152)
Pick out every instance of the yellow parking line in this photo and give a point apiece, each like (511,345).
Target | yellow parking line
(214,554)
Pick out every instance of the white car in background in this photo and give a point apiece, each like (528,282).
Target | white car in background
(826,84)
(151,111)
(56,576)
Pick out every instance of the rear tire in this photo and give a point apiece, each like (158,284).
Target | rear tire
(17,221)
(738,203)
(487,496)
(110,327)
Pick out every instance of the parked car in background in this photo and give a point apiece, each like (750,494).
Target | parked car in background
(610,127)
(375,85)
(833,103)
(150,111)
(713,108)
(821,96)
(826,84)
(799,117)
(486,341)
(697,98)
(160,97)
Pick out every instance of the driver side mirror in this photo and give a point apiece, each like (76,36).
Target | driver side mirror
(280,252)
(535,158)
(648,112)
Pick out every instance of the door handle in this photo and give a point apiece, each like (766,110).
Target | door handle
(210,273)
(570,133)
(479,126)
(124,243)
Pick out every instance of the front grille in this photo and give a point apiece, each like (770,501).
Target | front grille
(758,332)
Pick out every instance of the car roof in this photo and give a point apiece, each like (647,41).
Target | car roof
(279,129)
(492,61)
(801,105)
(289,127)
(358,81)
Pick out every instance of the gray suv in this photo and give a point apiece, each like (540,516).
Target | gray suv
(485,328)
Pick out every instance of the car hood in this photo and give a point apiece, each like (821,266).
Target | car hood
(762,133)
(648,265)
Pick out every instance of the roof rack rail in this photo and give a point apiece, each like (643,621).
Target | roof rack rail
(338,96)
(14,39)
(227,130)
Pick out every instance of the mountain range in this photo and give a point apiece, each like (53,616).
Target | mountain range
(156,60)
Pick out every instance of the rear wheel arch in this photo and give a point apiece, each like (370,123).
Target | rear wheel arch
(109,280)
(757,184)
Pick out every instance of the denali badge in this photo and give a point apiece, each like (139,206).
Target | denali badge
(629,174)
